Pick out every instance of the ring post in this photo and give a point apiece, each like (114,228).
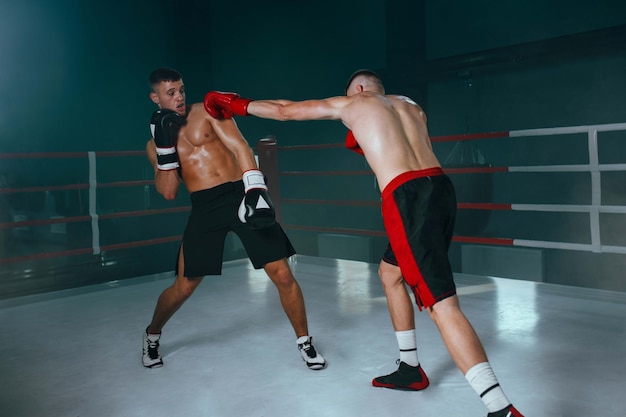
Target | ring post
(267,150)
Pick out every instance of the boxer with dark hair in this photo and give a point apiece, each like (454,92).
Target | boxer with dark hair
(419,209)
(228,194)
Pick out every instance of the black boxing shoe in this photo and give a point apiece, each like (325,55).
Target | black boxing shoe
(406,378)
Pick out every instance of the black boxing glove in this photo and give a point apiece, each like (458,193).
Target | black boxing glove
(256,208)
(164,126)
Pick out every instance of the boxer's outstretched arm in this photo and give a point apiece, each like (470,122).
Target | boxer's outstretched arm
(326,109)
(222,105)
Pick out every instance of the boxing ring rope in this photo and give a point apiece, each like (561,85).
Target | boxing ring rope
(593,210)
(268,153)
(93,217)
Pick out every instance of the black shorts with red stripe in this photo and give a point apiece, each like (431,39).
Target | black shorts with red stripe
(419,210)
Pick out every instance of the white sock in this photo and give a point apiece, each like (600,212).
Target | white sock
(408,347)
(302,339)
(484,382)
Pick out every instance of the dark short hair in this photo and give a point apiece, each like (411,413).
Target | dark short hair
(164,74)
(366,72)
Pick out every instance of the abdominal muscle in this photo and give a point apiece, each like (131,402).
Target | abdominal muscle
(205,161)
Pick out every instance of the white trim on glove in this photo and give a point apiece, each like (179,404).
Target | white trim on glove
(254,178)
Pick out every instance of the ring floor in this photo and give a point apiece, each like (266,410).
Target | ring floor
(230,351)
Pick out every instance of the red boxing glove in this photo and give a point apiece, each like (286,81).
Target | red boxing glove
(352,144)
(225,105)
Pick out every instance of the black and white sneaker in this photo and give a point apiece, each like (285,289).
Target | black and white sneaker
(313,359)
(151,356)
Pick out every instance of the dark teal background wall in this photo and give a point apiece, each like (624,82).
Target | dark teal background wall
(457,27)
(74,78)
(282,50)
(577,85)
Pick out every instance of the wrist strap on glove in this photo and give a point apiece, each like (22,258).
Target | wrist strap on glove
(254,179)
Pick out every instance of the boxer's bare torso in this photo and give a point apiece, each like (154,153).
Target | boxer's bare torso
(205,161)
(210,152)
(392,132)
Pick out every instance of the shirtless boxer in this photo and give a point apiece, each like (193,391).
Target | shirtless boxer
(419,209)
(228,193)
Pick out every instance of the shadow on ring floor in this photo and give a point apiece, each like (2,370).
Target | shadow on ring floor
(230,351)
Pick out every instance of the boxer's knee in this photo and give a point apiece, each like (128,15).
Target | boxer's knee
(390,275)
(280,273)
(444,309)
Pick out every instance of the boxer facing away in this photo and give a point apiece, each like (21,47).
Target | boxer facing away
(419,209)
(228,194)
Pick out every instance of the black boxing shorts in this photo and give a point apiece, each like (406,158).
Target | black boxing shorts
(213,216)
(419,210)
